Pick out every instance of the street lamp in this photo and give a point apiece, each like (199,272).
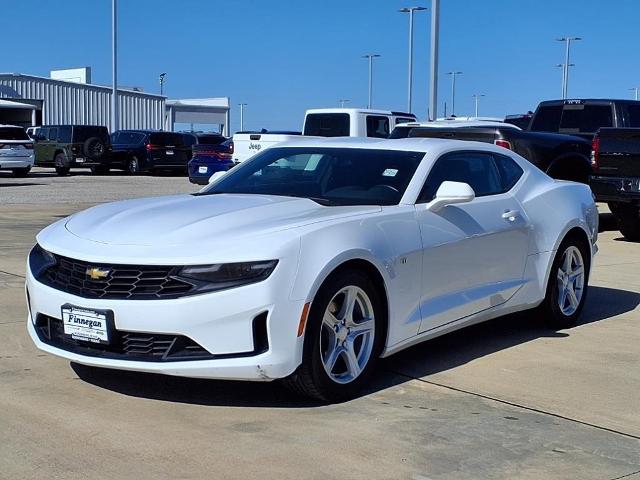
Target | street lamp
(453,74)
(342,101)
(162,75)
(242,105)
(561,65)
(370,56)
(114,66)
(477,96)
(635,89)
(568,41)
(432,112)
(410,11)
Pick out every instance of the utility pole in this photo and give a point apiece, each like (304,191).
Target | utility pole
(635,89)
(410,11)
(453,74)
(370,56)
(568,41)
(433,61)
(242,105)
(477,96)
(114,66)
(561,65)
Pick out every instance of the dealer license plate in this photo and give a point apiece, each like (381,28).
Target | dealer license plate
(85,324)
(169,152)
(202,169)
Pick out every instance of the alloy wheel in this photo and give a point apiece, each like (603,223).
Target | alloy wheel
(347,334)
(571,276)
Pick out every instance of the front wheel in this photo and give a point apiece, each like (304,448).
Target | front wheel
(133,166)
(568,284)
(343,339)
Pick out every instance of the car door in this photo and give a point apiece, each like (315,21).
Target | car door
(40,146)
(474,253)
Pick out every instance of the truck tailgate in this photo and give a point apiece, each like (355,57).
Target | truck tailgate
(619,152)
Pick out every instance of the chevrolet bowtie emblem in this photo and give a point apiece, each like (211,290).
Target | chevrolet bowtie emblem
(96,273)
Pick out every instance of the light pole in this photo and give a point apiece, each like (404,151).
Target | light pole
(162,75)
(433,60)
(476,97)
(342,101)
(242,105)
(635,89)
(453,74)
(114,66)
(370,56)
(565,84)
(410,11)
(561,65)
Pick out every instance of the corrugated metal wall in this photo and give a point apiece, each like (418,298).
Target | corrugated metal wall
(81,104)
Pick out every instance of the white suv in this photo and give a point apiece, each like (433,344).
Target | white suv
(16,150)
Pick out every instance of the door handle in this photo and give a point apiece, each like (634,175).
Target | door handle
(511,215)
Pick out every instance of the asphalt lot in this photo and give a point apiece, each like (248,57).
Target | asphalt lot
(507,399)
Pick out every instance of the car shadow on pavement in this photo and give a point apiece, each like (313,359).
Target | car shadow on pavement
(607,223)
(437,355)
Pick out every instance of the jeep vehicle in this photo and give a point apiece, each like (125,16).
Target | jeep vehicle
(69,146)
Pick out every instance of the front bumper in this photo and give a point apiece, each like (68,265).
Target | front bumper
(220,322)
(615,189)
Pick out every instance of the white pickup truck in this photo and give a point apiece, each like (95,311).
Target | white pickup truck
(323,122)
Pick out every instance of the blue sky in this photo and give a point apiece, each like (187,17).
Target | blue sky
(282,57)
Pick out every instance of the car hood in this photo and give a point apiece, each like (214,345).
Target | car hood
(196,219)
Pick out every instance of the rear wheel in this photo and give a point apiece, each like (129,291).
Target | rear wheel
(628,217)
(568,284)
(60,162)
(21,172)
(133,166)
(343,338)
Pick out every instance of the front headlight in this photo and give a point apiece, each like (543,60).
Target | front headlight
(40,260)
(209,278)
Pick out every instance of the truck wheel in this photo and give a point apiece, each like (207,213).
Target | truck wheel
(94,148)
(60,163)
(21,172)
(629,222)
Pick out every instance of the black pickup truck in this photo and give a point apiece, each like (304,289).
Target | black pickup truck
(564,157)
(616,176)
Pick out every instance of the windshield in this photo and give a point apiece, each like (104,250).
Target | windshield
(329,176)
(13,133)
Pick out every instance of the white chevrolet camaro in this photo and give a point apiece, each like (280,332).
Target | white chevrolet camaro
(312,260)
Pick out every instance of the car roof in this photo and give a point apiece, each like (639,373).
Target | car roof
(413,144)
(570,101)
(2,125)
(460,124)
(359,110)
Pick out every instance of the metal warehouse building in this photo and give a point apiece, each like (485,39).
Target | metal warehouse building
(29,100)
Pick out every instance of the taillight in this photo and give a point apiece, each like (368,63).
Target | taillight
(595,153)
(28,146)
(151,146)
(503,144)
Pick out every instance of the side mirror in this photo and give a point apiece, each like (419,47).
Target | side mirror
(450,193)
(215,177)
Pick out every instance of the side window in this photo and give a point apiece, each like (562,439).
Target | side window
(510,171)
(42,133)
(64,134)
(115,137)
(52,135)
(477,169)
(377,126)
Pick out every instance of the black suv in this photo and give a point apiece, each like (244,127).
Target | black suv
(148,151)
(67,146)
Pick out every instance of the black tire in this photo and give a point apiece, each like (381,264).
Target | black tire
(549,309)
(311,378)
(94,148)
(133,166)
(628,217)
(60,161)
(21,172)
(100,169)
(614,207)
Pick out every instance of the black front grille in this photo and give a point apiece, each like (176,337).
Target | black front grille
(134,282)
(124,345)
